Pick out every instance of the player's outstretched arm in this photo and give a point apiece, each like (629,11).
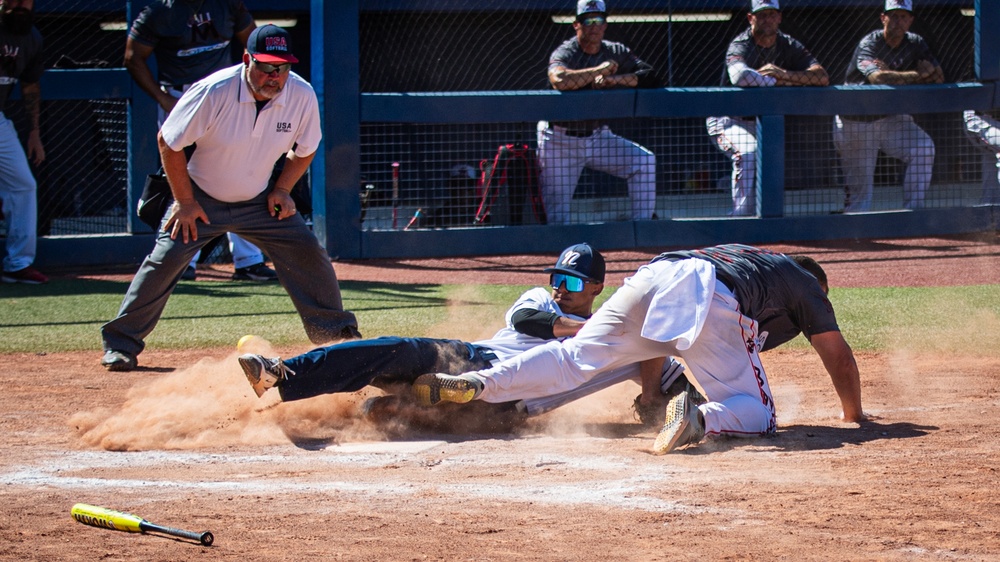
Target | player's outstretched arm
(839,362)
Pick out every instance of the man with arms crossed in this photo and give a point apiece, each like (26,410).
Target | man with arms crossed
(761,56)
(587,61)
(891,56)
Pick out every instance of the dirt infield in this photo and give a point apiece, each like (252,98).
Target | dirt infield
(186,444)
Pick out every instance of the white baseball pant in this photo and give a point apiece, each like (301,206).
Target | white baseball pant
(20,199)
(737,139)
(984,132)
(898,136)
(244,253)
(562,158)
(719,345)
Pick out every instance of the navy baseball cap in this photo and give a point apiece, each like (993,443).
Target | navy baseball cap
(580,260)
(271,44)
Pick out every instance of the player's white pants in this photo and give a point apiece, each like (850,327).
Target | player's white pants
(20,199)
(244,253)
(722,356)
(896,135)
(562,158)
(984,132)
(737,138)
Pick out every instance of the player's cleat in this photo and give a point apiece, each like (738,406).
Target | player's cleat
(190,273)
(433,388)
(118,361)
(27,275)
(256,272)
(684,423)
(264,373)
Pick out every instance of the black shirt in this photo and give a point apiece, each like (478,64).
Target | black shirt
(771,288)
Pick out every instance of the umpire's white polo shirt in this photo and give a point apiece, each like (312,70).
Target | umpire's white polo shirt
(237,148)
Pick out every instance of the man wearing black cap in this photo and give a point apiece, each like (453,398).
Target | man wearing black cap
(587,62)
(760,56)
(540,315)
(889,56)
(243,119)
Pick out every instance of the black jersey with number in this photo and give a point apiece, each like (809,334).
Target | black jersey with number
(771,288)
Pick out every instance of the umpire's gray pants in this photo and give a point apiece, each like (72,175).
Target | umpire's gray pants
(303,268)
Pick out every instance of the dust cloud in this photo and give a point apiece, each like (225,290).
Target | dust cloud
(211,405)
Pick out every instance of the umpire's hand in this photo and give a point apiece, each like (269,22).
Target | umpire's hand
(280,204)
(184,220)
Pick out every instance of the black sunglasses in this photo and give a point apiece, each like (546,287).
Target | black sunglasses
(271,68)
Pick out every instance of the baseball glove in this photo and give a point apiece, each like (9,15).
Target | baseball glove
(649,415)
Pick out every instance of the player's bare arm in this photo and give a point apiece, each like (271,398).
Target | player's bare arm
(929,72)
(815,75)
(136,55)
(32,95)
(885,76)
(564,79)
(617,81)
(566,327)
(185,212)
(840,363)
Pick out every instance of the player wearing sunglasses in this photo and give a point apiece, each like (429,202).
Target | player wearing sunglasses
(539,316)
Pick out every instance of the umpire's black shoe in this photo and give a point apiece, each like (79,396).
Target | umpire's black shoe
(118,361)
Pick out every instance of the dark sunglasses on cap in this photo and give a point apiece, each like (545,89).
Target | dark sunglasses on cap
(270,68)
(596,20)
(573,284)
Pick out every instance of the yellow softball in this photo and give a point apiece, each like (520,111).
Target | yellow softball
(246,342)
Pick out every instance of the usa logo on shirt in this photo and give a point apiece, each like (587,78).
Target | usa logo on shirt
(282,127)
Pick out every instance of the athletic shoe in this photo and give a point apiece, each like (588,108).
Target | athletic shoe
(257,272)
(189,274)
(681,385)
(684,424)
(263,373)
(28,276)
(118,361)
(434,388)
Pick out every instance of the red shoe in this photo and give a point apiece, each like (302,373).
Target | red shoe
(28,275)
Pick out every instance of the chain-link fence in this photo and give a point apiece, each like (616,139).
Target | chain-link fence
(487,45)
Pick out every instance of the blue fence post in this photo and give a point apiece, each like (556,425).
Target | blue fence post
(987,40)
(336,172)
(771,166)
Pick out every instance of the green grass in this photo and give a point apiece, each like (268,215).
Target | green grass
(923,319)
(66,315)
